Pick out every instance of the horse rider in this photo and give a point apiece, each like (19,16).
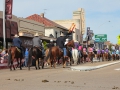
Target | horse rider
(17,43)
(37,42)
(50,45)
(60,42)
(80,50)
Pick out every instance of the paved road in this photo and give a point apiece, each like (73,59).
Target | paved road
(61,79)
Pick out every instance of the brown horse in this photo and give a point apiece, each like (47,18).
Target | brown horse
(52,55)
(106,56)
(117,56)
(14,53)
(113,56)
(35,54)
(56,53)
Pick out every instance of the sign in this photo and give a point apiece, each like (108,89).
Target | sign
(8,9)
(101,37)
(118,37)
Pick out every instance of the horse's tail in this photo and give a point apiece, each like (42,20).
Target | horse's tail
(29,63)
(48,55)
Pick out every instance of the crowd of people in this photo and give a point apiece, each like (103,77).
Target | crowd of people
(61,43)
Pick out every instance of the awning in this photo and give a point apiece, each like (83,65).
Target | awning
(48,38)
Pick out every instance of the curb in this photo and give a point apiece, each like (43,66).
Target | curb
(89,68)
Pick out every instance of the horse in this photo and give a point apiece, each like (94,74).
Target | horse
(75,55)
(15,53)
(35,54)
(113,55)
(84,55)
(99,55)
(52,55)
(117,55)
(56,53)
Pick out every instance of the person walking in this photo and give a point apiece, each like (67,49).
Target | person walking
(26,57)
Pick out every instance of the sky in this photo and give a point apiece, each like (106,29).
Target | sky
(102,16)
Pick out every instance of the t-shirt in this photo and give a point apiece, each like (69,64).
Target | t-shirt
(80,48)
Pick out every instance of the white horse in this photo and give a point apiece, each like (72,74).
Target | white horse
(75,55)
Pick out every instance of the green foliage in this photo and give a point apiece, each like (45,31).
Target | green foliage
(45,44)
(110,47)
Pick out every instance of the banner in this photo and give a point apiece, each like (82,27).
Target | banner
(72,27)
(8,9)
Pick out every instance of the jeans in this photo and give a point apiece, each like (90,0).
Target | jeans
(64,51)
(26,61)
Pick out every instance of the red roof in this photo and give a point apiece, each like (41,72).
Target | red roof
(45,21)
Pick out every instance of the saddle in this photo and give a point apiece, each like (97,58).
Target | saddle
(38,48)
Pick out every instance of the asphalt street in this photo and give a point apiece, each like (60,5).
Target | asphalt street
(106,78)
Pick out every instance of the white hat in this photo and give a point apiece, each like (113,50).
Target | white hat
(36,34)
(51,40)
(16,35)
(67,39)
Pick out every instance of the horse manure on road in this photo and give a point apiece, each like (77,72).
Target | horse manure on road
(18,80)
(8,79)
(72,82)
(115,87)
(45,81)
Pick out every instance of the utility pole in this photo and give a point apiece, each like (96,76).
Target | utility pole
(4,39)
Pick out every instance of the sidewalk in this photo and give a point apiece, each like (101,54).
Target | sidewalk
(92,66)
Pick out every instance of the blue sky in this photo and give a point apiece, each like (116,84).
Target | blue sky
(98,13)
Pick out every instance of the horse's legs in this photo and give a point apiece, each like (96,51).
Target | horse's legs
(36,63)
(20,63)
(64,62)
(54,62)
(11,63)
(39,63)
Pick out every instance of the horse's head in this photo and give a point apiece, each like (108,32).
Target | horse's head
(70,44)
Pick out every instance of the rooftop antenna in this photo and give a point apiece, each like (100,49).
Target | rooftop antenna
(44,11)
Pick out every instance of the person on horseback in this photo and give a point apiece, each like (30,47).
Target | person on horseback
(37,42)
(60,42)
(17,43)
(51,44)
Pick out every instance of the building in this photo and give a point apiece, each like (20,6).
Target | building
(79,20)
(27,27)
(52,29)
(24,27)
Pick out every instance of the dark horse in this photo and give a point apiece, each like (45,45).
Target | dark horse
(35,54)
(15,53)
(56,53)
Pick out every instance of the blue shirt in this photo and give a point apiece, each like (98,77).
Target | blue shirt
(26,53)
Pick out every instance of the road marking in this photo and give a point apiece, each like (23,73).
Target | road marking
(117,69)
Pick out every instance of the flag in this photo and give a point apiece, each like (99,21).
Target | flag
(8,9)
(72,27)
